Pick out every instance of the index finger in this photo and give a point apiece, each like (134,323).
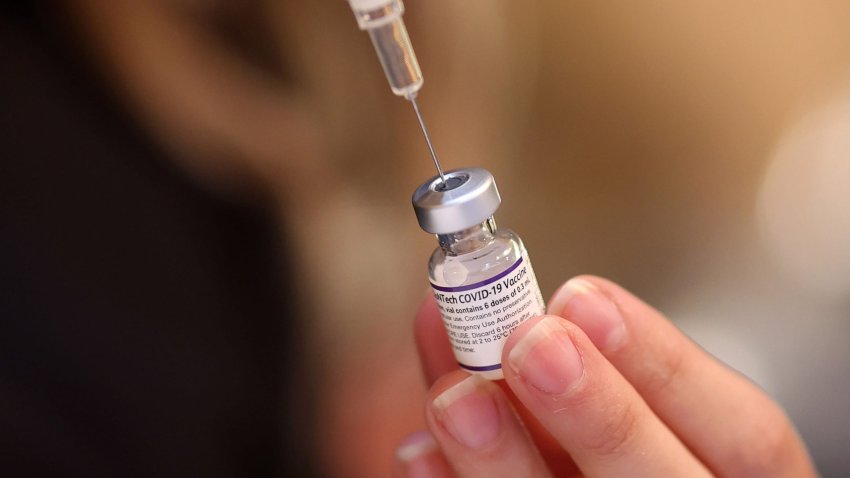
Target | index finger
(728,422)
(590,409)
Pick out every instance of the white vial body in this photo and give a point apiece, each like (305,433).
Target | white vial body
(485,287)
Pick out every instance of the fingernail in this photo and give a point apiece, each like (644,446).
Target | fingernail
(547,358)
(585,305)
(417,457)
(469,412)
(415,445)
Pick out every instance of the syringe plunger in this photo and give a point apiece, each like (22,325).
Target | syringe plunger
(382,19)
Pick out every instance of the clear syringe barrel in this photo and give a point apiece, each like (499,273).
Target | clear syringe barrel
(382,19)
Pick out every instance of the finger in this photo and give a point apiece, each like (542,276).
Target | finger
(557,460)
(731,425)
(437,359)
(435,352)
(478,431)
(587,406)
(419,456)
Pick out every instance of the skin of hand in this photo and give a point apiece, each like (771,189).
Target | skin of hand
(603,385)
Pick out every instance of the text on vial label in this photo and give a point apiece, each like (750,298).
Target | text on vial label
(479,317)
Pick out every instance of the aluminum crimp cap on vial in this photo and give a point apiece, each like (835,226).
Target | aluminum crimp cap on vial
(468,197)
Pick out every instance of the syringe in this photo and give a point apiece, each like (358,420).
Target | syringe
(382,19)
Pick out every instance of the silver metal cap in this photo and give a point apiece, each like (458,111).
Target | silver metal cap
(468,198)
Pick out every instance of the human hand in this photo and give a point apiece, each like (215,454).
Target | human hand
(603,386)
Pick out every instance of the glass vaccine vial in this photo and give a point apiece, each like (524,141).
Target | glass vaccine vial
(480,275)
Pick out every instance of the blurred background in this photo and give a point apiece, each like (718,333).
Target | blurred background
(698,153)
